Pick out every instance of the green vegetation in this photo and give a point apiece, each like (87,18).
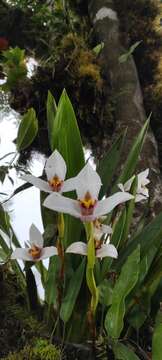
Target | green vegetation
(40,350)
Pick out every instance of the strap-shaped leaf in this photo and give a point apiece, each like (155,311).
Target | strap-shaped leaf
(134,153)
(72,293)
(51,113)
(123,352)
(129,212)
(66,136)
(125,283)
(4,220)
(51,284)
(66,139)
(150,236)
(118,230)
(27,131)
(108,164)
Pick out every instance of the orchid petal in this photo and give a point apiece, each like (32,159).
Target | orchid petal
(77,248)
(107,205)
(69,185)
(142,176)
(22,254)
(88,181)
(106,229)
(62,204)
(144,191)
(121,187)
(107,250)
(35,236)
(128,183)
(140,197)
(98,233)
(102,230)
(55,166)
(39,183)
(48,252)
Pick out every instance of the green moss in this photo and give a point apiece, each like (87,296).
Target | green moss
(17,325)
(41,350)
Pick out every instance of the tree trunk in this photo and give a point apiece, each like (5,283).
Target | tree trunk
(129,109)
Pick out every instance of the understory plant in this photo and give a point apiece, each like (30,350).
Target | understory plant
(104,269)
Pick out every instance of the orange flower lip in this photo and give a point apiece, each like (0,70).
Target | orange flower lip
(56,183)
(35,252)
(87,204)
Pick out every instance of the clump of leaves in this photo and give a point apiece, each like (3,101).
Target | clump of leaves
(41,350)
(14,67)
(81,61)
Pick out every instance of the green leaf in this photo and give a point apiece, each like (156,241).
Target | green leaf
(125,57)
(108,164)
(2,255)
(27,131)
(150,235)
(66,139)
(51,291)
(72,292)
(32,290)
(123,352)
(134,153)
(125,283)
(157,336)
(4,220)
(66,136)
(105,292)
(51,113)
(97,49)
(129,212)
(118,229)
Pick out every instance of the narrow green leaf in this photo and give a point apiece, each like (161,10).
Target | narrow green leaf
(105,292)
(129,212)
(150,235)
(66,136)
(72,293)
(4,220)
(108,164)
(125,283)
(134,153)
(51,113)
(66,139)
(123,352)
(27,131)
(97,49)
(157,336)
(32,290)
(2,255)
(118,230)
(51,291)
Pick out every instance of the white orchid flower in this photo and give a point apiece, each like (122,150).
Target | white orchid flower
(36,251)
(142,192)
(55,170)
(101,252)
(87,207)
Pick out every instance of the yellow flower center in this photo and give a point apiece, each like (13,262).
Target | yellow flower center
(55,183)
(35,252)
(87,204)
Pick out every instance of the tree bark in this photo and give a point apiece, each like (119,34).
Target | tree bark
(129,109)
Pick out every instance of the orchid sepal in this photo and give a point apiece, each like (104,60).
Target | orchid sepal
(36,252)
